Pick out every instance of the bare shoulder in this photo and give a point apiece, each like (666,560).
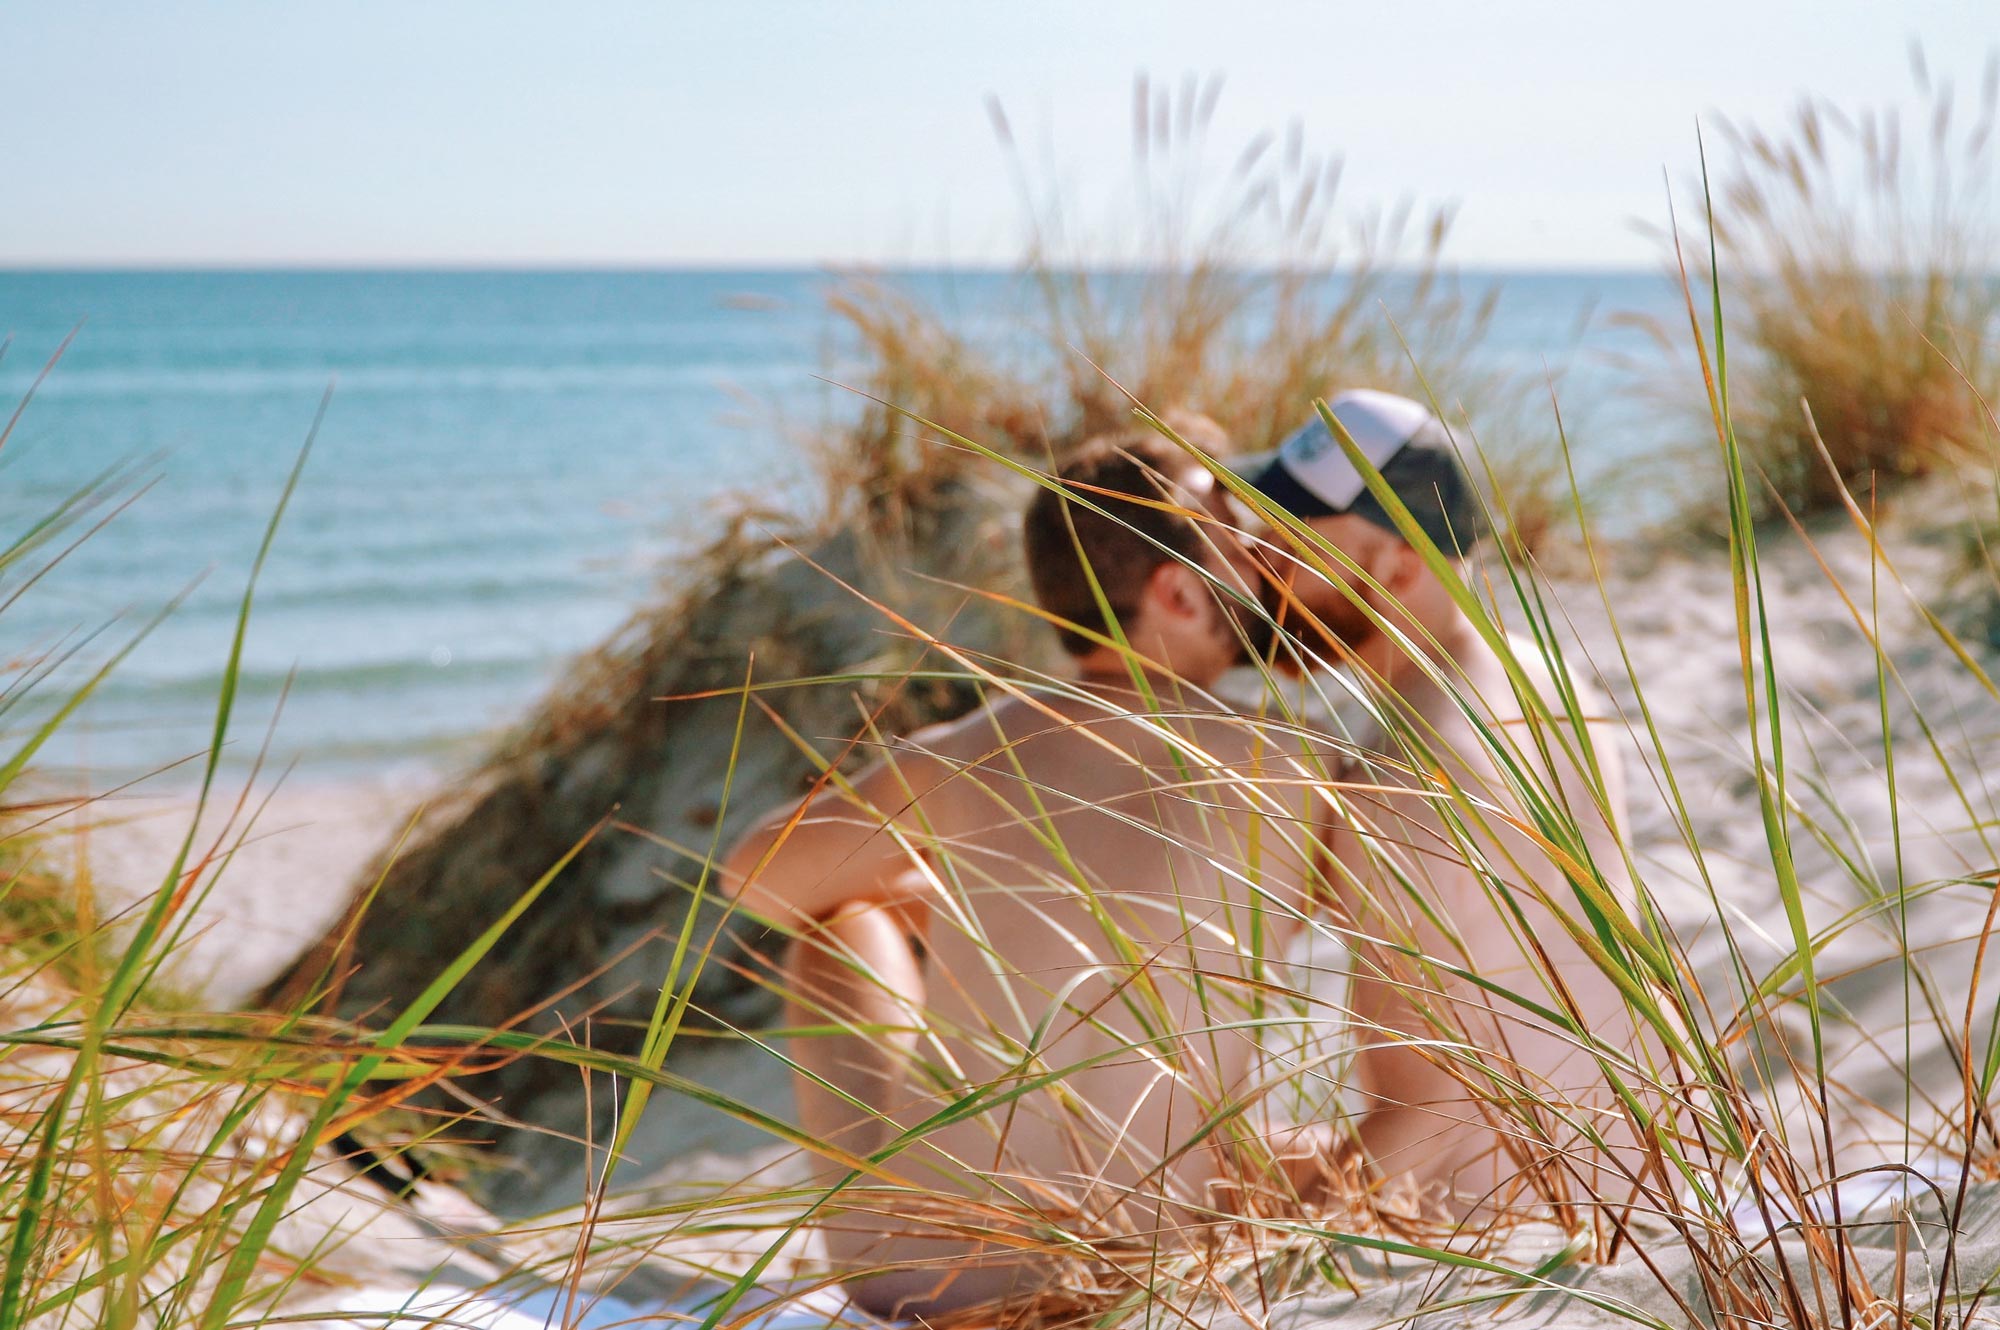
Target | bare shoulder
(1571,704)
(956,744)
(1565,695)
(924,764)
(1201,736)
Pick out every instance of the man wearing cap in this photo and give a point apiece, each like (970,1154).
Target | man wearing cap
(1468,1091)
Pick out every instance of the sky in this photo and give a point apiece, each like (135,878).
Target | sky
(779,132)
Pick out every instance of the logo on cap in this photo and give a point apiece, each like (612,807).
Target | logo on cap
(1307,445)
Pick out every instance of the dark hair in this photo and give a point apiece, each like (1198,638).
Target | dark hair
(1061,537)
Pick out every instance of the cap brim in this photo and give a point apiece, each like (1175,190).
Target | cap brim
(1268,475)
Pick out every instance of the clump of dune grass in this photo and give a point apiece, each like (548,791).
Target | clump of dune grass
(1237,294)
(1864,255)
(148,1162)
(162,1165)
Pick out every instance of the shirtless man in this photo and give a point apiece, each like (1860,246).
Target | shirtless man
(1077,878)
(1404,865)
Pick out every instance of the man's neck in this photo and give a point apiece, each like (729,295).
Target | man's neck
(1111,675)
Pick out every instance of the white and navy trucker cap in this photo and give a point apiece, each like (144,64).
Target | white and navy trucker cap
(1310,475)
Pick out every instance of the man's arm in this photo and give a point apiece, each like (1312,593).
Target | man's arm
(1316,1158)
(866,841)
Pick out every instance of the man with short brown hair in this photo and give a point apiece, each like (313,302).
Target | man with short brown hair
(1062,903)
(1090,548)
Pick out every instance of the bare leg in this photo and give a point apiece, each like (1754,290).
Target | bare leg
(862,969)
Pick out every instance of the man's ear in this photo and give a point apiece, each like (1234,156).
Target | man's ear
(1177,590)
(1406,569)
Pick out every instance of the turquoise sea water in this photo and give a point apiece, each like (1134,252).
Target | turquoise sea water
(507,459)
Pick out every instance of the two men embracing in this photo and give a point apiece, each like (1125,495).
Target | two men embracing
(1043,946)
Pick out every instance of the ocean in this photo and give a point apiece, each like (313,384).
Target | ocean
(508,465)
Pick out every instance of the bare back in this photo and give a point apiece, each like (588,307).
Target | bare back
(1113,879)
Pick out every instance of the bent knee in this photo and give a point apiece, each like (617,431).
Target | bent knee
(861,936)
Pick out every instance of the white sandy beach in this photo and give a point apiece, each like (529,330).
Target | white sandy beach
(275,869)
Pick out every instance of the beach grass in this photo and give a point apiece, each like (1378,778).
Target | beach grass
(164,1167)
(1861,246)
(1239,294)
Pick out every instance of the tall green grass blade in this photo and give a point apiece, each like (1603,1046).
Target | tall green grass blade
(233,1282)
(123,984)
(672,1003)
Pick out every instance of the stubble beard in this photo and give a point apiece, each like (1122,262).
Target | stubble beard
(1326,630)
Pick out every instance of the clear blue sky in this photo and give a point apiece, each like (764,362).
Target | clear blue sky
(791,132)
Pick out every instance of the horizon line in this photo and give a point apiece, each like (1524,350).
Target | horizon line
(13,266)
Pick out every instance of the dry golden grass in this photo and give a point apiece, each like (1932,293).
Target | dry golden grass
(1859,253)
(1243,297)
